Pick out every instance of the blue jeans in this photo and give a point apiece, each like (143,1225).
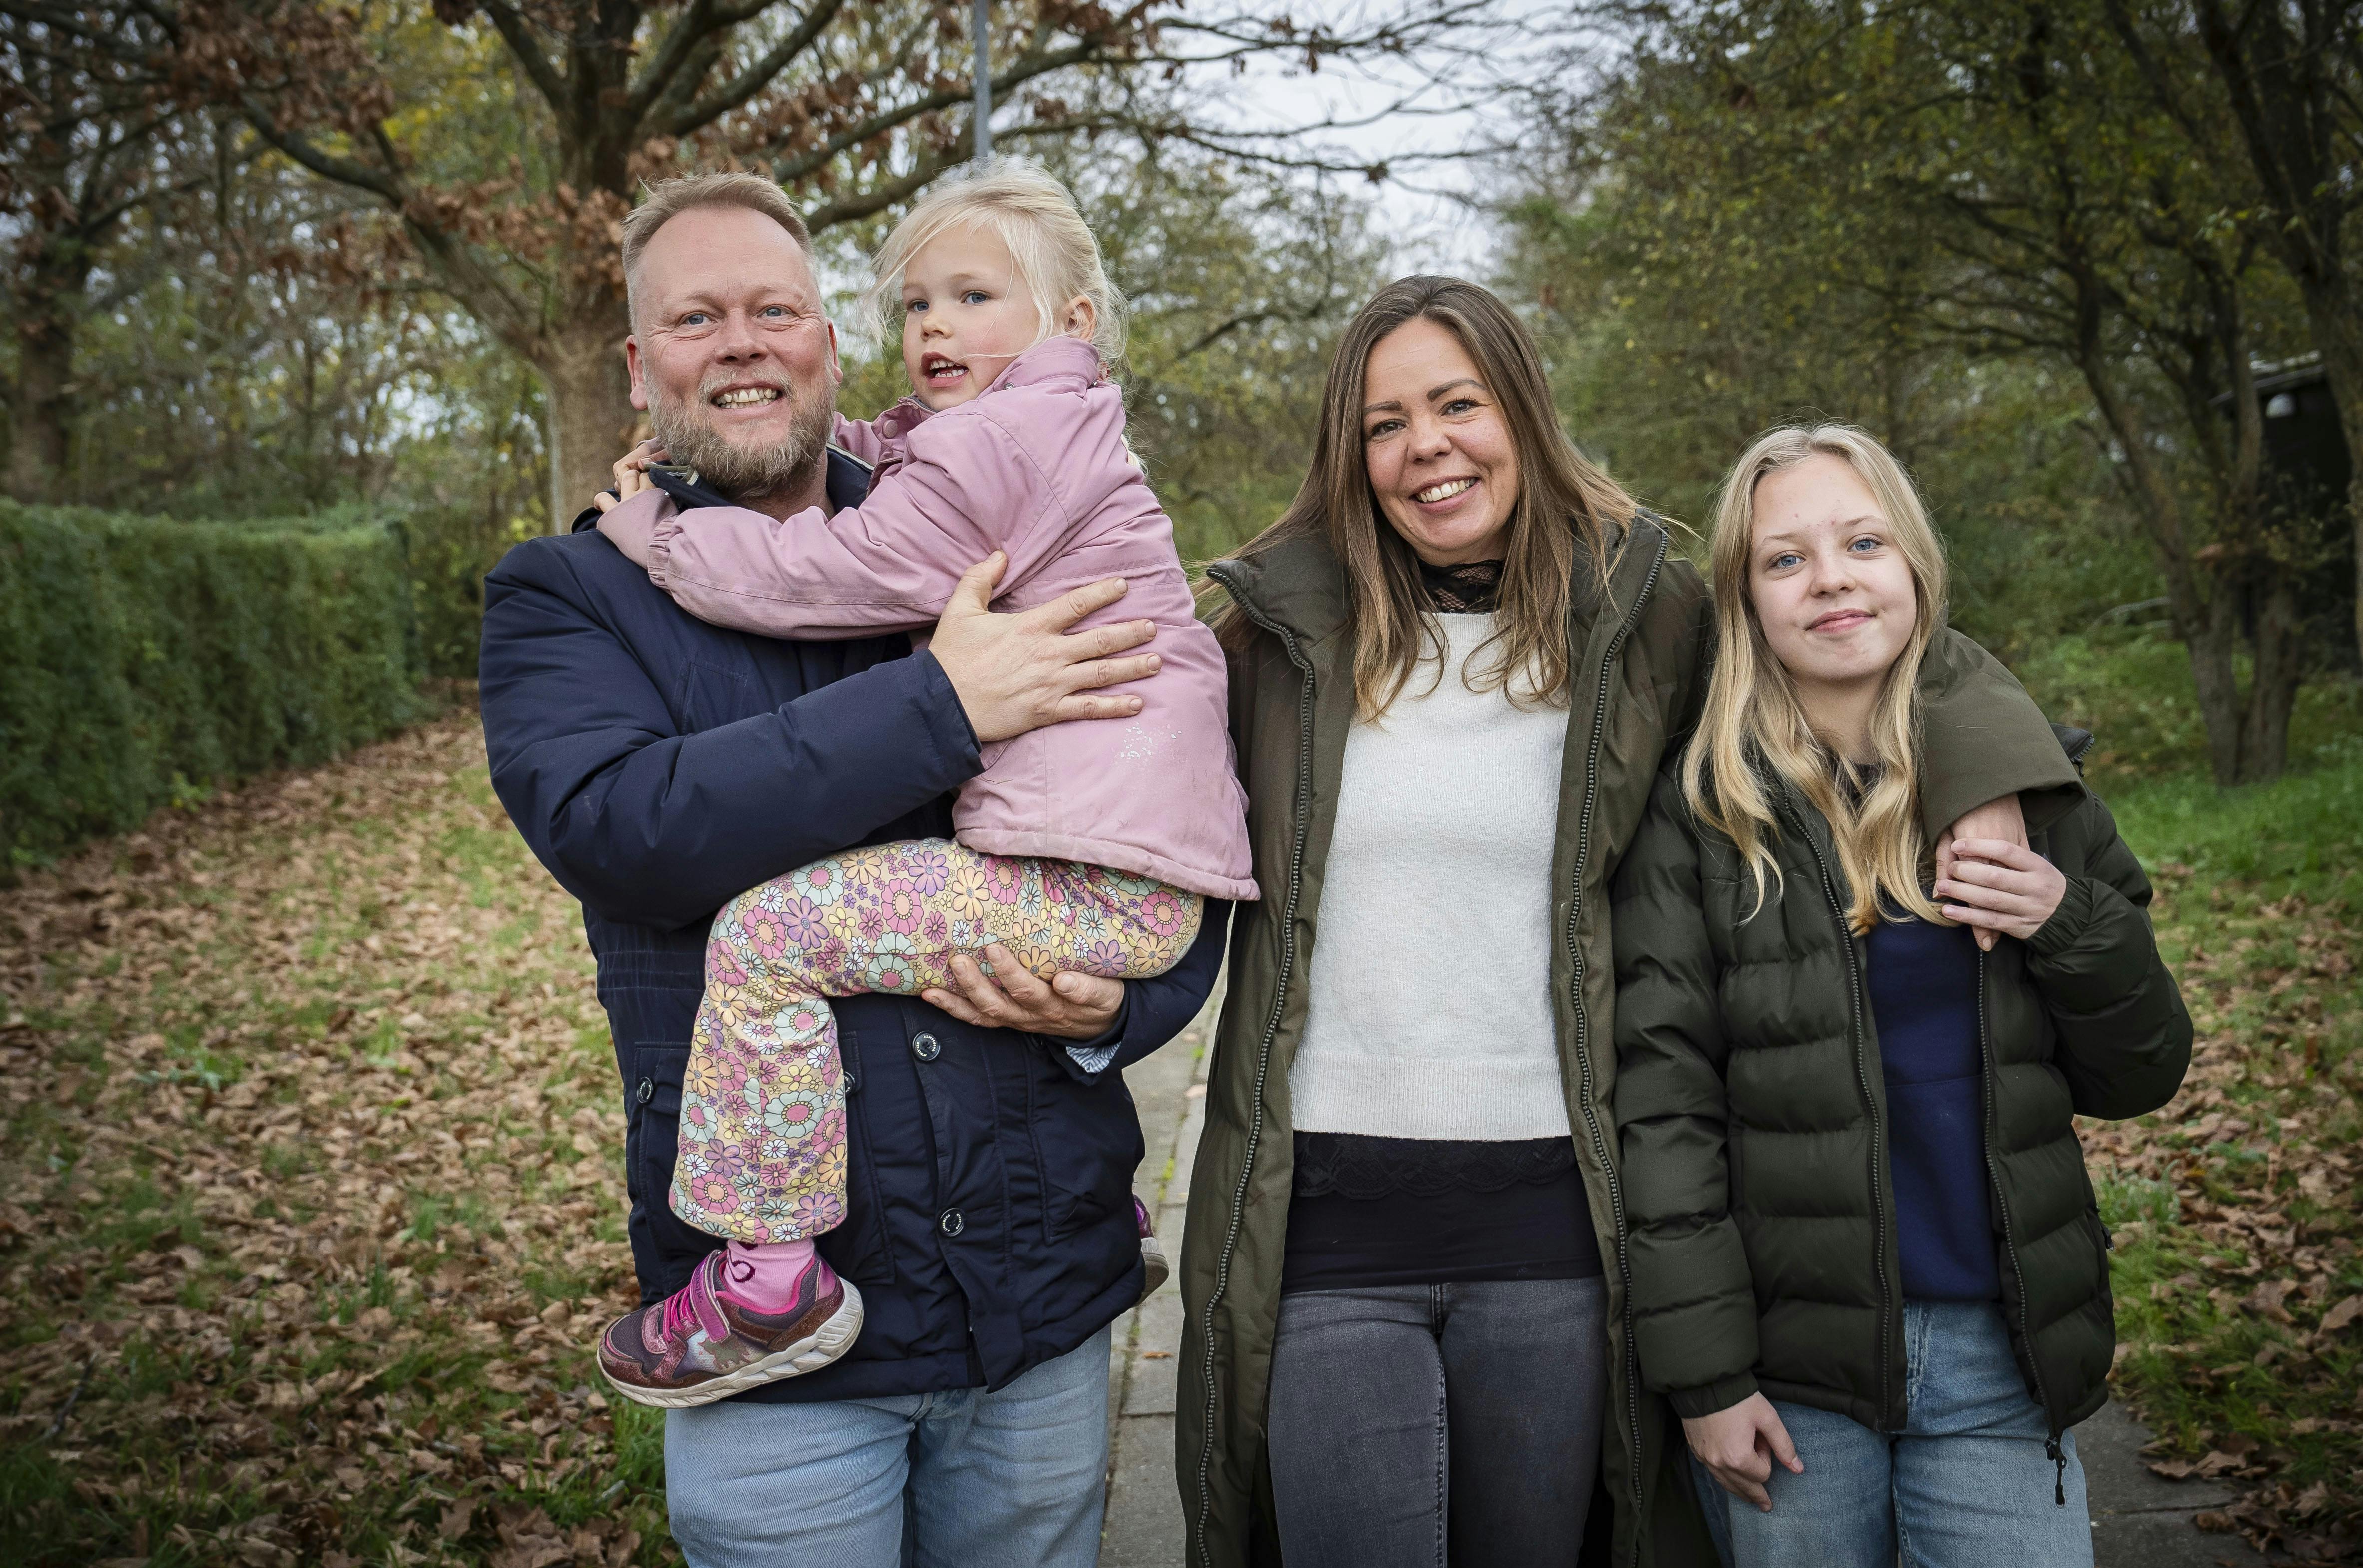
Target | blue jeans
(1414,1425)
(1014,1478)
(1965,1485)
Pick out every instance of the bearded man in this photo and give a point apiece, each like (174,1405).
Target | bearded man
(659,766)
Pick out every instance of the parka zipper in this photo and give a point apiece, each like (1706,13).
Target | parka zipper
(1583,1021)
(2051,1448)
(1271,1028)
(1870,1108)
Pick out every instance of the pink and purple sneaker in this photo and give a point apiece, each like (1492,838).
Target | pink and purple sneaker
(704,1343)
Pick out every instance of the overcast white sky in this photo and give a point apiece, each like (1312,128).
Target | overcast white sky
(1423,205)
(1472,109)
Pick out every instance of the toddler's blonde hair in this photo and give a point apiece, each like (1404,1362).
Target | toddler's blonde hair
(1036,217)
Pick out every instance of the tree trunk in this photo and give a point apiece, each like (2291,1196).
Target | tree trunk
(2334,319)
(2247,731)
(589,419)
(2338,335)
(2279,670)
(47,316)
(2211,644)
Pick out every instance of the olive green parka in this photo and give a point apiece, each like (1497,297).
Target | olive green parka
(1640,655)
(1761,1248)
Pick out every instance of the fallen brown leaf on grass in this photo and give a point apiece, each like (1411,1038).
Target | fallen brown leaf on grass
(313,1159)
(2261,1258)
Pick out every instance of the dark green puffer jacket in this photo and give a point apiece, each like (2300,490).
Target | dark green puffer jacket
(1754,1126)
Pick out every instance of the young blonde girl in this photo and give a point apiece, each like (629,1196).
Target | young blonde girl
(1867,1269)
(1086,847)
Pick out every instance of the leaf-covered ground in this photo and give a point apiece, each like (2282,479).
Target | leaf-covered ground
(310,1196)
(2239,1261)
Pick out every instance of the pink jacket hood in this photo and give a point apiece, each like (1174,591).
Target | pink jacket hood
(1035,465)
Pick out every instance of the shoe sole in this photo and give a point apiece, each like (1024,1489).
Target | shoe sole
(814,1351)
(1152,1259)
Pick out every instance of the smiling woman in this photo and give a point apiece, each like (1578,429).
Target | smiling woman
(1440,457)
(1439,1276)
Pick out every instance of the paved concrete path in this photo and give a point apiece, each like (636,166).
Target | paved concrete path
(2139,1520)
(1144,1512)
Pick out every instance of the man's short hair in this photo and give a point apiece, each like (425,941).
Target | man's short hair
(668,199)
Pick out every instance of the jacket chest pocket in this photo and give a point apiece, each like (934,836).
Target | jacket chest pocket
(856,1249)
(860,1248)
(707,697)
(651,1141)
(1087,1143)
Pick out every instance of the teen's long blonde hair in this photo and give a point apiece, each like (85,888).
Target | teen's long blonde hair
(1752,713)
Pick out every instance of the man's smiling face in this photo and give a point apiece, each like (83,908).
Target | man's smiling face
(731,356)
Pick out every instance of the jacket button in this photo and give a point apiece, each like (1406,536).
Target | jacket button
(852,1083)
(924,1048)
(951,1224)
(646,1091)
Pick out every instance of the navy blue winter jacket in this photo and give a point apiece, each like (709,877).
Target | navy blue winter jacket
(659,766)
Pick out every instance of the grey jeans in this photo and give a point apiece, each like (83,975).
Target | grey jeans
(1417,1425)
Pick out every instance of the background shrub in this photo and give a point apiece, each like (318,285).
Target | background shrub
(147,658)
(450,550)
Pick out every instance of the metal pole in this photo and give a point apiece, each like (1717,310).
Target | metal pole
(983,82)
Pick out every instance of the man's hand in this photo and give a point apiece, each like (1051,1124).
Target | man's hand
(1072,1007)
(1999,885)
(1015,673)
(1998,819)
(1738,1446)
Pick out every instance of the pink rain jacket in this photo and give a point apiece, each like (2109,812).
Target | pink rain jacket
(1035,465)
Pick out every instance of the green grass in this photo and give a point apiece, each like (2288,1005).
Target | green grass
(2234,1207)
(302,1249)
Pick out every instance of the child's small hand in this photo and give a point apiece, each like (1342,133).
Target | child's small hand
(1993,885)
(1739,1446)
(631,475)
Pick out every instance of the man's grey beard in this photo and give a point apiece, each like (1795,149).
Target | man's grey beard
(741,472)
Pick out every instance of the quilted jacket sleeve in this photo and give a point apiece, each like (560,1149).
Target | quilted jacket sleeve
(1982,737)
(1694,1302)
(967,489)
(2125,1035)
(652,827)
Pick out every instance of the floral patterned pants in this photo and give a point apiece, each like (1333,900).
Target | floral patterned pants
(763,1105)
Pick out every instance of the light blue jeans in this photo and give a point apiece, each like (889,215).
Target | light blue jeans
(1965,1485)
(964,1479)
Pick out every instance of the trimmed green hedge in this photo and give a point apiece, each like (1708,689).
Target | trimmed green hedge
(144,660)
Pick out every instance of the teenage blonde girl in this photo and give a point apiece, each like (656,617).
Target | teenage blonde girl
(1089,848)
(1867,1270)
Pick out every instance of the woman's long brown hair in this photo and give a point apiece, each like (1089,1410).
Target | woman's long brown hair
(1565,509)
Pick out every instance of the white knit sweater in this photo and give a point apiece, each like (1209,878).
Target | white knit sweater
(1429,1001)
